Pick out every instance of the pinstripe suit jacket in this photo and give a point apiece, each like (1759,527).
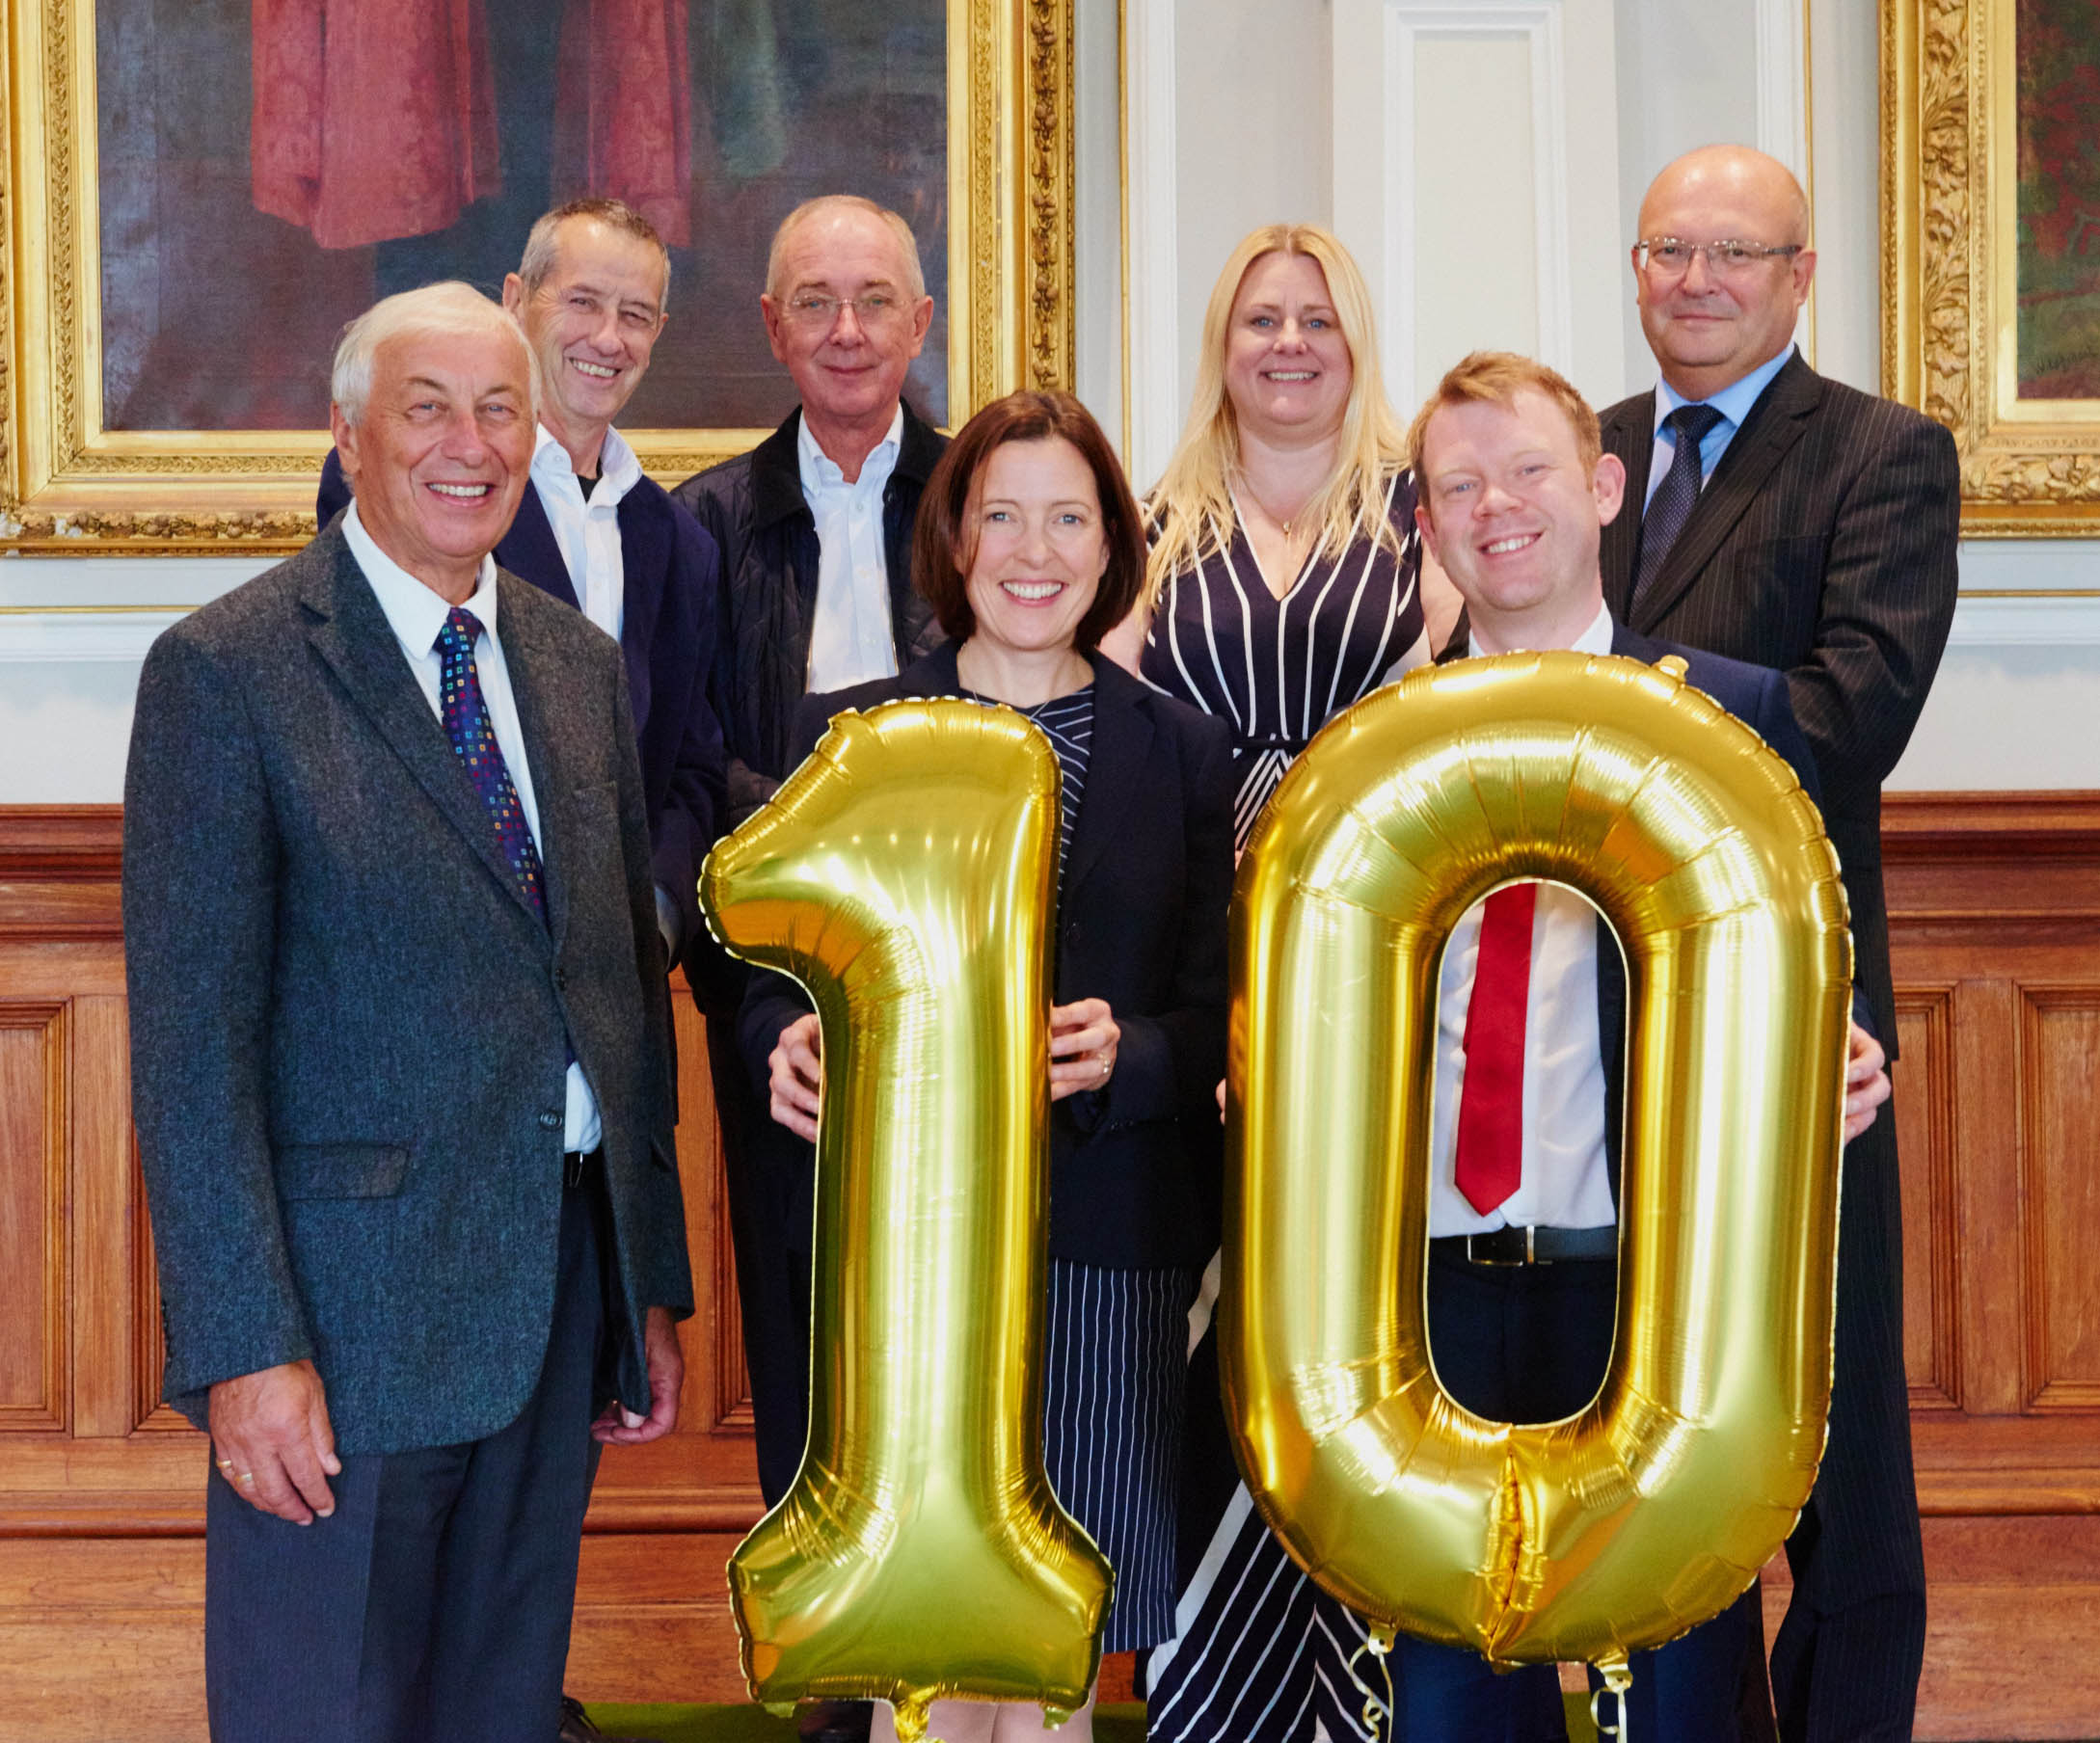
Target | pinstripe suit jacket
(347,1026)
(1822,545)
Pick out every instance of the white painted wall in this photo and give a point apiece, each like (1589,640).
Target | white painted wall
(1234,120)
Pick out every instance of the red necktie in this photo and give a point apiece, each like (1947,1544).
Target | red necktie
(1490,1122)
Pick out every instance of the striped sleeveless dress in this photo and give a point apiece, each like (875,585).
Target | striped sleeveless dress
(1260,1653)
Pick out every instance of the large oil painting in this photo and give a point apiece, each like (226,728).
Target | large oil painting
(1991,316)
(2057,102)
(201,192)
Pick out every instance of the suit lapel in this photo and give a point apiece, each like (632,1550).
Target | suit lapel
(531,549)
(1122,740)
(645,556)
(1774,425)
(542,684)
(353,635)
(1630,435)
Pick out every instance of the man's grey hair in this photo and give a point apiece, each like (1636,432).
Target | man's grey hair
(907,244)
(451,309)
(543,243)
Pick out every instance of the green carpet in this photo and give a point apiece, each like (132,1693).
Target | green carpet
(753,1724)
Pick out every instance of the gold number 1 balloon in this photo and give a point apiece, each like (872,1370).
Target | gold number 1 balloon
(1652,1509)
(903,876)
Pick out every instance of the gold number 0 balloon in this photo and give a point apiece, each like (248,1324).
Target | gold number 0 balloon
(1652,1509)
(903,876)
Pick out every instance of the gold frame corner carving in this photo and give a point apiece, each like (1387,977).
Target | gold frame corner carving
(1950,318)
(68,485)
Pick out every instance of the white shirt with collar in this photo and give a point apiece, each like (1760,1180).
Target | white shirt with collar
(587,528)
(417,615)
(852,638)
(1732,402)
(1566,1182)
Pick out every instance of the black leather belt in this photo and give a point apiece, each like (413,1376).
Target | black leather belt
(1533,1245)
(575,1162)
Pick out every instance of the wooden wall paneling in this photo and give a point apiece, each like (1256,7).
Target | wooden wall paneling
(2060,1103)
(1995,919)
(36,1358)
(1925,1115)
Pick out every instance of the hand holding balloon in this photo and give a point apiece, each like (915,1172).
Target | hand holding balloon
(797,1077)
(1083,1039)
(1866,1082)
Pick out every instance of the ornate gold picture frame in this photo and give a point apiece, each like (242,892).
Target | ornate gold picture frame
(68,482)
(1989,279)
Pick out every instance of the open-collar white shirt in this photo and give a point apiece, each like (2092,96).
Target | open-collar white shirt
(587,528)
(417,614)
(851,636)
(1566,1182)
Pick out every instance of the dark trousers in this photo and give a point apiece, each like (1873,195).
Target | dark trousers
(1847,1657)
(434,1605)
(1530,1344)
(760,1162)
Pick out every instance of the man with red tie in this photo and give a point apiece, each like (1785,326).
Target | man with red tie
(1524,1145)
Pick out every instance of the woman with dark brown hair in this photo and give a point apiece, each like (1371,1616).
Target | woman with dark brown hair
(1029,548)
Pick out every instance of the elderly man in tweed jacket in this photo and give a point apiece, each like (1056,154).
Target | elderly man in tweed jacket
(400,1073)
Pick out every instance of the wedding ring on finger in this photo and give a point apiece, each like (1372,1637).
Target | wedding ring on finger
(247,1479)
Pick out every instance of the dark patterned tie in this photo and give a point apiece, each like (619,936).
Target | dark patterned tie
(467,724)
(1671,506)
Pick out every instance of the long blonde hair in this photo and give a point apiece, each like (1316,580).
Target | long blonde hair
(1191,507)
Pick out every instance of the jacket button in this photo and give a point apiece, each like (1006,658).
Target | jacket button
(561,979)
(550,1118)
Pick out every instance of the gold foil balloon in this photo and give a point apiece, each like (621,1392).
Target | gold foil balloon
(1652,1510)
(904,875)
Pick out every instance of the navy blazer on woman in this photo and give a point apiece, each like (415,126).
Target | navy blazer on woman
(1133,1167)
(668,638)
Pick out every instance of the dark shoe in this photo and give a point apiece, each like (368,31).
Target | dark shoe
(834,1721)
(577,1727)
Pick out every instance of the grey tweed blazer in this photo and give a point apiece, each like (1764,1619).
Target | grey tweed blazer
(347,1027)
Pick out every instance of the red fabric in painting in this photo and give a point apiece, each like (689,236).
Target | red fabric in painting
(373,118)
(623,116)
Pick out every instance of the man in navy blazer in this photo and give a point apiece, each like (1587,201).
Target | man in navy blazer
(400,1073)
(1515,491)
(597,533)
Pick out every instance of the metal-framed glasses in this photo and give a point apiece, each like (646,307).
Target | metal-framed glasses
(1671,256)
(871,308)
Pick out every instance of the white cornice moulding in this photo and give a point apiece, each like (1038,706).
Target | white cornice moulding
(93,638)
(1998,621)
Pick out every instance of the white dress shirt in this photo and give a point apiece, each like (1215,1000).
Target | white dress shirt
(852,638)
(587,528)
(418,614)
(1566,1182)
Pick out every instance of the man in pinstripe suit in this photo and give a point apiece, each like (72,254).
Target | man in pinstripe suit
(1793,522)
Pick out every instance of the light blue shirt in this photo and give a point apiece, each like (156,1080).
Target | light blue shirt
(417,615)
(1732,402)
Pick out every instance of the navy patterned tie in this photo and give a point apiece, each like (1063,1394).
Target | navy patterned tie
(465,713)
(1671,505)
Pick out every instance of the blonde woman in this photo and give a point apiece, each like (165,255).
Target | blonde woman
(1284,582)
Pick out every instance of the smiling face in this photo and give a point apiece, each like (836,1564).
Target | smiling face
(593,321)
(438,458)
(1515,518)
(848,369)
(1707,332)
(1287,369)
(1040,550)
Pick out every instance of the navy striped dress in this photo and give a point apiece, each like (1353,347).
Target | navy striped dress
(1116,1353)
(1260,1653)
